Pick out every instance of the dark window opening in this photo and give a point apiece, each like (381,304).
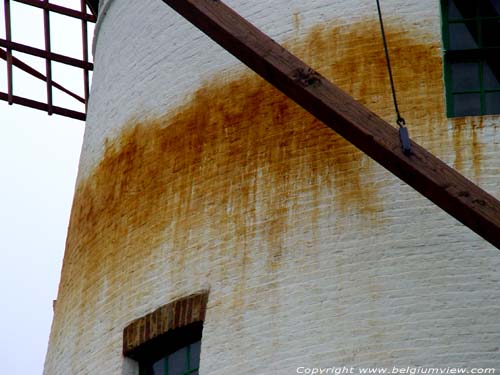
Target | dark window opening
(183,361)
(176,352)
(167,341)
(471,39)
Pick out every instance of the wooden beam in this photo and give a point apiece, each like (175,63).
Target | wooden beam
(93,5)
(430,176)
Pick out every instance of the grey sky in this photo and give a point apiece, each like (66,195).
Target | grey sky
(38,165)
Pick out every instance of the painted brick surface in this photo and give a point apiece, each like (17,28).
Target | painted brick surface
(196,175)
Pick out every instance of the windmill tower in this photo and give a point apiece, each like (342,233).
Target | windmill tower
(213,215)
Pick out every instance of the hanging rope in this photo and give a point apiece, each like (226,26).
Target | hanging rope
(403,131)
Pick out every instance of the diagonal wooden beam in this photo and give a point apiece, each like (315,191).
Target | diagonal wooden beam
(427,174)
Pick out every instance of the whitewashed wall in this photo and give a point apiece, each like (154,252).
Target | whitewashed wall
(388,280)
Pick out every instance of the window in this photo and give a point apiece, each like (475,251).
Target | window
(168,340)
(183,361)
(471,38)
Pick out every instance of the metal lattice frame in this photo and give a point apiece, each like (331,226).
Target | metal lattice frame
(7,46)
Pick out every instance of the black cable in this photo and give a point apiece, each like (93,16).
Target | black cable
(400,121)
(403,131)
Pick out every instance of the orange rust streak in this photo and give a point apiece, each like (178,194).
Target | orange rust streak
(237,160)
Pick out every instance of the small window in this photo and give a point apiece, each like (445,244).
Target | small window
(168,340)
(471,39)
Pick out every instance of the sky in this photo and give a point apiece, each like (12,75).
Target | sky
(38,167)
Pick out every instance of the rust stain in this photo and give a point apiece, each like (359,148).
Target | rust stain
(296,21)
(352,57)
(239,164)
(467,146)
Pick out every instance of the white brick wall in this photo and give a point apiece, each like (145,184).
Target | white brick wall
(343,281)
(137,42)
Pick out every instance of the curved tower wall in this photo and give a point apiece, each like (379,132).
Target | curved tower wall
(197,175)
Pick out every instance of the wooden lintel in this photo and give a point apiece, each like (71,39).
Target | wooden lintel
(427,174)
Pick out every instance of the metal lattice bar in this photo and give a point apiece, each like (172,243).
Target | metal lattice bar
(48,61)
(83,15)
(46,55)
(35,73)
(7,46)
(8,35)
(85,44)
(44,107)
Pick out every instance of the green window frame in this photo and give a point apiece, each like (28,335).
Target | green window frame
(471,41)
(183,361)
